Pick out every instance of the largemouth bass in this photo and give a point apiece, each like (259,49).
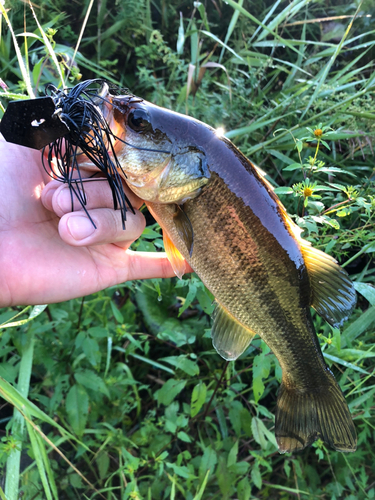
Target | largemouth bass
(221,216)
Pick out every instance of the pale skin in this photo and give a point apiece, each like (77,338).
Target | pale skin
(50,254)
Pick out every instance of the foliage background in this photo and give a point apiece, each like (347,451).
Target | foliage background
(124,388)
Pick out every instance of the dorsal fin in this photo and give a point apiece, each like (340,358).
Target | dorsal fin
(229,337)
(333,293)
(175,258)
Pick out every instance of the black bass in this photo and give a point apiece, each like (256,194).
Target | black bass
(220,215)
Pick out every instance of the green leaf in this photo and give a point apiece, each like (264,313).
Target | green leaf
(198,398)
(189,297)
(183,436)
(77,408)
(103,464)
(222,421)
(91,380)
(293,166)
(235,416)
(232,455)
(200,492)
(359,326)
(116,313)
(183,363)
(208,461)
(206,300)
(367,290)
(98,332)
(283,190)
(342,362)
(257,427)
(224,477)
(169,391)
(180,470)
(261,370)
(244,489)
(246,422)
(91,349)
(256,476)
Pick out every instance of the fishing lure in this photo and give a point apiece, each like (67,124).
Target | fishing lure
(66,124)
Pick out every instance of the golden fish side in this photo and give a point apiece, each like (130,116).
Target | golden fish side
(224,219)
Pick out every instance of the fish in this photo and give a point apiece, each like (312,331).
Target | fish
(221,216)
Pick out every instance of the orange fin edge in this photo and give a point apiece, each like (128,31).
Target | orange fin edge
(174,256)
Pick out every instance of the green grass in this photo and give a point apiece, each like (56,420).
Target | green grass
(121,395)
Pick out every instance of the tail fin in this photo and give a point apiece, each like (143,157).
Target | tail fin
(304,416)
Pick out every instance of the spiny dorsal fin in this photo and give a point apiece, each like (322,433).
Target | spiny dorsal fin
(229,337)
(333,294)
(175,258)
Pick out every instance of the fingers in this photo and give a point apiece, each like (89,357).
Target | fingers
(76,229)
(96,193)
(146,265)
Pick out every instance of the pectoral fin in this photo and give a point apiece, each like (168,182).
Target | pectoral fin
(184,228)
(229,337)
(175,258)
(333,294)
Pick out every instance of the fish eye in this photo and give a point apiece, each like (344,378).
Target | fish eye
(139,120)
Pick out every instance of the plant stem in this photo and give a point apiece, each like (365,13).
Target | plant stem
(14,459)
(316,154)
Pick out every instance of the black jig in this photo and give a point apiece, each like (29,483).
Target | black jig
(71,124)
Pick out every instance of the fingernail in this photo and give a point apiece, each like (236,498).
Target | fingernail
(80,227)
(64,200)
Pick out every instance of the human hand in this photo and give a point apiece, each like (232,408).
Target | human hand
(48,253)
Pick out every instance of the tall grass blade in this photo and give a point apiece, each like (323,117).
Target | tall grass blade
(199,495)
(15,398)
(330,63)
(36,310)
(343,104)
(79,39)
(230,30)
(24,72)
(48,45)
(289,11)
(358,327)
(14,459)
(38,454)
(268,16)
(282,41)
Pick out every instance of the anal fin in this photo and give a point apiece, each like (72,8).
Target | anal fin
(174,256)
(229,337)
